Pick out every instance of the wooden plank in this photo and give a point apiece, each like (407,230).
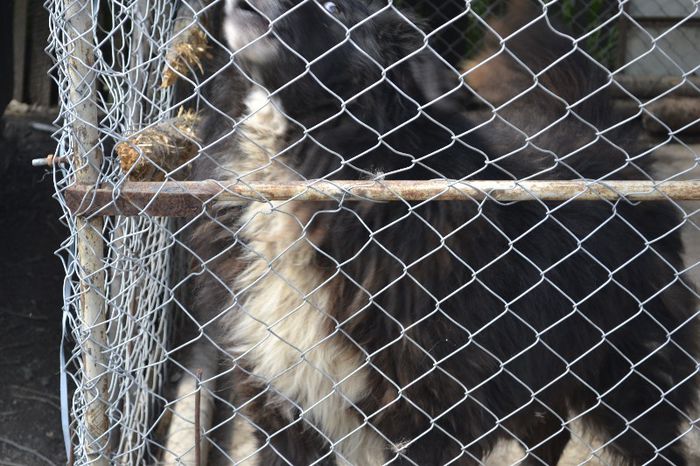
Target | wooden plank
(6,55)
(661,8)
(19,40)
(623,24)
(644,86)
(187,198)
(38,81)
(658,48)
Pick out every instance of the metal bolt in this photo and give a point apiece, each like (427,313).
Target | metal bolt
(48,161)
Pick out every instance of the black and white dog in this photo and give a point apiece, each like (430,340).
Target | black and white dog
(373,333)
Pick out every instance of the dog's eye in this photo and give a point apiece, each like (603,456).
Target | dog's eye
(331,8)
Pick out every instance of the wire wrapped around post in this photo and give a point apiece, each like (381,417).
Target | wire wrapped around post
(87,158)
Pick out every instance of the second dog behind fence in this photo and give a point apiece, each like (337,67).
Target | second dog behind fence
(371,333)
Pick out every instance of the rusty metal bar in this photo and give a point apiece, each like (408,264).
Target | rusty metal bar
(182,199)
(87,158)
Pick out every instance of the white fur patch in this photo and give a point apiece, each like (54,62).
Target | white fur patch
(247,35)
(244,443)
(231,30)
(280,326)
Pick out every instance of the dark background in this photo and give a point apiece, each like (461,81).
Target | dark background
(31,275)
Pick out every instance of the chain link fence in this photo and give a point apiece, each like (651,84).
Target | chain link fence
(375,232)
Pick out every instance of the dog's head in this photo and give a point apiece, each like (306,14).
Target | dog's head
(345,46)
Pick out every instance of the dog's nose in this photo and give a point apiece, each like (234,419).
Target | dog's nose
(230,6)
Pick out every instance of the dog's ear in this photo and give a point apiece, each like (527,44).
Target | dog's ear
(416,67)
(437,82)
(399,35)
(434,76)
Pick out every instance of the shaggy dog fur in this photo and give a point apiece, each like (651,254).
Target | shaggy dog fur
(422,333)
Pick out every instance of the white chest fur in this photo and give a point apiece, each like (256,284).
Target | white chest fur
(280,325)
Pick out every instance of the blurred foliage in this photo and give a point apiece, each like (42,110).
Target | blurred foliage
(592,17)
(459,24)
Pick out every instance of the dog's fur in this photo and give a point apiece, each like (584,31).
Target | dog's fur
(421,333)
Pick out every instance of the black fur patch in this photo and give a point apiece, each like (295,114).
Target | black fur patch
(481,320)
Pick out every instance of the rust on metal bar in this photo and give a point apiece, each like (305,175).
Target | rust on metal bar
(183,199)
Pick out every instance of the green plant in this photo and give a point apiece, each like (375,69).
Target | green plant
(580,17)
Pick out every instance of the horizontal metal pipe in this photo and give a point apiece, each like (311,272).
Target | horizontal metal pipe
(186,198)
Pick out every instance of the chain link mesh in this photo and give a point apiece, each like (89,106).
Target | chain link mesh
(356,331)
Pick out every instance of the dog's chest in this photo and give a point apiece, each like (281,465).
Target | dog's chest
(281,324)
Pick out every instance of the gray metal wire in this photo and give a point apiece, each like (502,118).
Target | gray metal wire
(140,356)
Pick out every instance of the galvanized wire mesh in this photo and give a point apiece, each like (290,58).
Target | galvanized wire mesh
(352,330)
(122,47)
